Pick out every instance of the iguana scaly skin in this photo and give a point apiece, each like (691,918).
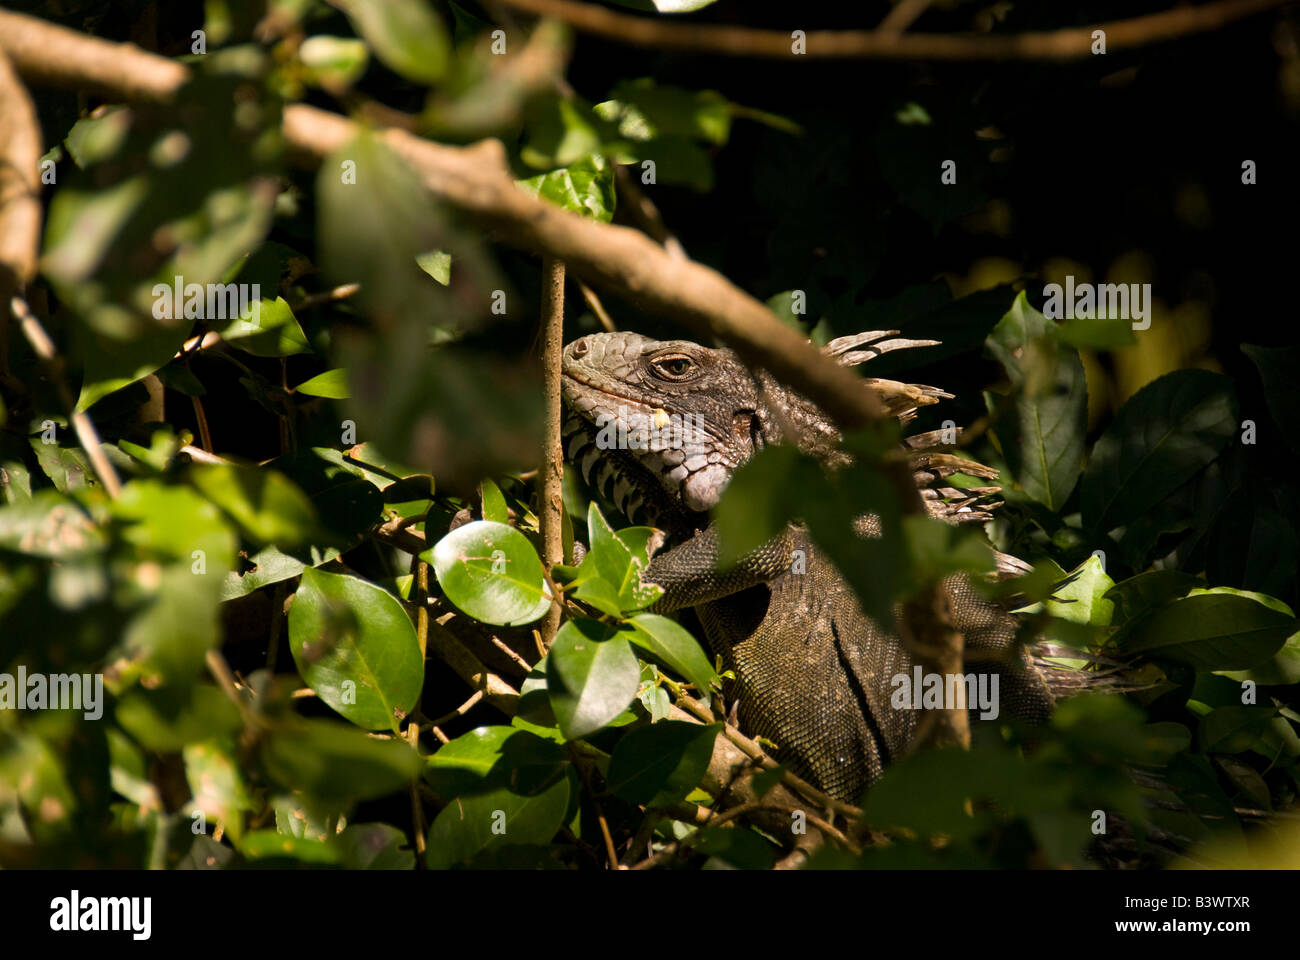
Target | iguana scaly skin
(812,671)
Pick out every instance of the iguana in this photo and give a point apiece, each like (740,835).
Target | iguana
(812,672)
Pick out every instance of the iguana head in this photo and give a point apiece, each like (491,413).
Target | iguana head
(660,426)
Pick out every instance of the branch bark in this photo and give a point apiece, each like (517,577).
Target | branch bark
(1074,43)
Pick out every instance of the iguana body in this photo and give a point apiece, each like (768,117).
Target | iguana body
(812,671)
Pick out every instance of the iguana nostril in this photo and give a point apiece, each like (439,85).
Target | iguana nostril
(581,347)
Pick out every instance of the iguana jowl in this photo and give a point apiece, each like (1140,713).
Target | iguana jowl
(812,671)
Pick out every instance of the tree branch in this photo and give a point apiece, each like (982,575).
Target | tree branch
(1074,43)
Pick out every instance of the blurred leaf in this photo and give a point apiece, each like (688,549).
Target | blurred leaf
(48,524)
(335,62)
(333,763)
(405,34)
(268,507)
(217,785)
(208,715)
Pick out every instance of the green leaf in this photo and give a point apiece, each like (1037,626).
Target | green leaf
(1042,431)
(1233,729)
(660,764)
(332,384)
(1083,598)
(1166,432)
(272,845)
(1151,589)
(356,647)
(674,646)
(1279,368)
(269,566)
(488,757)
(1211,631)
(591,676)
(406,35)
(269,508)
(267,328)
(470,825)
(585,186)
(491,572)
(494,503)
(374,846)
(620,560)
(113,363)
(559,131)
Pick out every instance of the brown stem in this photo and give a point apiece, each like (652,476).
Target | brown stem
(551,500)
(1071,43)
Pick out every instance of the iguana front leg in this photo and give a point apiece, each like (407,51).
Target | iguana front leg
(689,576)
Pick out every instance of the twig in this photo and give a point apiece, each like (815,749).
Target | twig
(460,711)
(1072,43)
(550,505)
(417,808)
(278,593)
(646,215)
(201,456)
(597,307)
(341,292)
(205,434)
(43,346)
(902,16)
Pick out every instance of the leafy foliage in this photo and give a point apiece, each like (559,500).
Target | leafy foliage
(285,678)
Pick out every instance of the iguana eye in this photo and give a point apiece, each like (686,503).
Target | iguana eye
(674,367)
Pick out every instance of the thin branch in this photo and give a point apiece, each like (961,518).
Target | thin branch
(20,205)
(598,308)
(43,346)
(1072,43)
(902,16)
(550,505)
